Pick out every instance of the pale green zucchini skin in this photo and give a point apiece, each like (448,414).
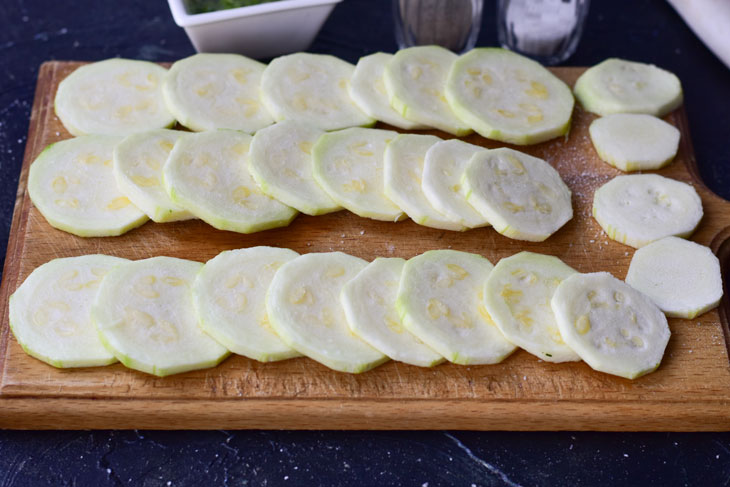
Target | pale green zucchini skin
(368,300)
(634,142)
(507,97)
(207,175)
(682,277)
(638,209)
(216,91)
(619,86)
(517,296)
(145,316)
(304,309)
(415,79)
(72,184)
(229,297)
(50,313)
(613,327)
(440,300)
(113,97)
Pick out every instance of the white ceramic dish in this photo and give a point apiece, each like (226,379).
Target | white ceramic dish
(259,31)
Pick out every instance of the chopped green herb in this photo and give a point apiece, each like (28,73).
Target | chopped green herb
(202,6)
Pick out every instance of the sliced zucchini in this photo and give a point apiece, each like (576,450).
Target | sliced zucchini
(138,163)
(522,196)
(145,316)
(681,277)
(368,300)
(50,313)
(216,91)
(415,80)
(404,160)
(443,170)
(311,88)
(517,296)
(113,97)
(634,141)
(507,97)
(614,328)
(229,296)
(641,208)
(281,163)
(72,184)
(440,300)
(207,175)
(619,86)
(304,309)
(348,165)
(367,89)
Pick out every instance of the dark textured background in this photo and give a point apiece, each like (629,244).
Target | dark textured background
(32,31)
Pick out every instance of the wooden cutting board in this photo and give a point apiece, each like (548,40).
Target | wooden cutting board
(690,391)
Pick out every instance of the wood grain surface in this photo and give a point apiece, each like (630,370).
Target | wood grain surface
(690,391)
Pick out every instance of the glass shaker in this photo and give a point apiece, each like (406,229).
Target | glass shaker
(453,24)
(545,30)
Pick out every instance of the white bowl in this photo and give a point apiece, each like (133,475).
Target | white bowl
(259,31)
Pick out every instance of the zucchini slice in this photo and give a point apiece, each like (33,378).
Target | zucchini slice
(216,91)
(507,97)
(145,316)
(304,308)
(440,300)
(311,88)
(50,313)
(614,328)
(72,184)
(207,175)
(113,97)
(640,208)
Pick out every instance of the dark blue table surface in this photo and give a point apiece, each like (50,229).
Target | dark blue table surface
(33,31)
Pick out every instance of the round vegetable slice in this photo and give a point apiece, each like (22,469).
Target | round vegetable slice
(508,97)
(229,297)
(634,142)
(304,309)
(216,91)
(619,86)
(640,208)
(113,97)
(50,313)
(440,300)
(311,88)
(138,163)
(415,80)
(368,300)
(683,278)
(404,160)
(517,295)
(72,184)
(348,165)
(614,328)
(367,89)
(145,316)
(281,163)
(206,174)
(522,196)
(443,170)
